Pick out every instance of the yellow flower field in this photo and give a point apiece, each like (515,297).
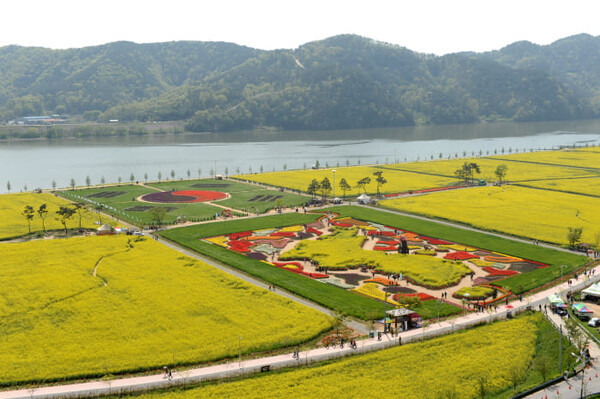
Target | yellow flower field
(15,225)
(397,181)
(586,185)
(372,290)
(516,171)
(147,306)
(453,366)
(344,249)
(585,159)
(520,211)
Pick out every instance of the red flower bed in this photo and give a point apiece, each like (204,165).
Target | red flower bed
(314,231)
(381,233)
(435,241)
(460,255)
(387,242)
(283,234)
(201,196)
(240,246)
(497,272)
(340,224)
(421,295)
(386,248)
(237,236)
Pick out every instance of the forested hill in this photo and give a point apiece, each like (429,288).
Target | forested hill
(342,82)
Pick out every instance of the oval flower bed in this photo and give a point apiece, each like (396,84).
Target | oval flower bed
(184,196)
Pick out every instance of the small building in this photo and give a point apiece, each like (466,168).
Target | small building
(404,319)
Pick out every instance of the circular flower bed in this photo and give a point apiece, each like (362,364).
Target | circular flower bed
(184,196)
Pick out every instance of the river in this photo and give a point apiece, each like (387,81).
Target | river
(32,164)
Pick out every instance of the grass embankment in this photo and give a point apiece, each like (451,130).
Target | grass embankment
(517,284)
(90,306)
(494,361)
(327,295)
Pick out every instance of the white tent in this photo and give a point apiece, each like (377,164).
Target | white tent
(363,199)
(555,299)
(591,291)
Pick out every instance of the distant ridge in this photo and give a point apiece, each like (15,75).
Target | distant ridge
(341,82)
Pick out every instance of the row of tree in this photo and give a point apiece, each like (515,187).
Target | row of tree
(324,186)
(64,214)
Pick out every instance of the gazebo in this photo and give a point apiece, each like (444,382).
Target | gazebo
(407,318)
(582,311)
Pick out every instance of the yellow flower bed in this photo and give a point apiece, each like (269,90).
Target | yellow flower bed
(344,249)
(520,211)
(446,367)
(397,181)
(458,247)
(147,306)
(372,290)
(474,292)
(481,263)
(292,229)
(218,240)
(14,224)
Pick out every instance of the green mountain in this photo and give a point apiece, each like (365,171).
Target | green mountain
(342,82)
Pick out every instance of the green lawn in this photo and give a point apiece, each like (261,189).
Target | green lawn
(121,200)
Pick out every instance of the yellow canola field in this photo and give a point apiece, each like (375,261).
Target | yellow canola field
(147,306)
(452,366)
(586,185)
(516,171)
(14,223)
(397,181)
(344,249)
(584,159)
(525,212)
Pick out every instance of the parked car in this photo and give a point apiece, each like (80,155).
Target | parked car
(594,322)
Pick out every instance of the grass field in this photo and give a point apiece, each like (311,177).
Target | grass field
(121,200)
(146,306)
(545,217)
(517,284)
(14,223)
(492,361)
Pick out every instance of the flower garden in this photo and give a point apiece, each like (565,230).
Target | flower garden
(366,258)
(93,306)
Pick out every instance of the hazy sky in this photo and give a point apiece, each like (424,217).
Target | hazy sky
(429,26)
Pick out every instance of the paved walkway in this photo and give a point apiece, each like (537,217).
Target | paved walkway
(235,368)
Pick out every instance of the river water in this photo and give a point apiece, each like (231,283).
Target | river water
(32,164)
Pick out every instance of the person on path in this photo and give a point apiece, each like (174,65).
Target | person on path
(170,375)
